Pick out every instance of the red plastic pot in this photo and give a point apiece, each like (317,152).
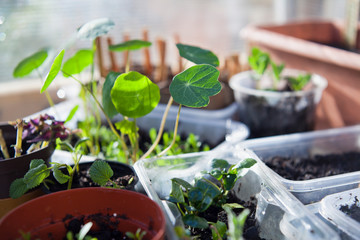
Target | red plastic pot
(46,217)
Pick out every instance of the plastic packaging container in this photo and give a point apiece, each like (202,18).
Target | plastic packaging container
(269,113)
(273,200)
(330,210)
(308,144)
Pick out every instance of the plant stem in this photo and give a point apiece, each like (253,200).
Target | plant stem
(136,143)
(127,66)
(175,133)
(3,146)
(18,146)
(161,129)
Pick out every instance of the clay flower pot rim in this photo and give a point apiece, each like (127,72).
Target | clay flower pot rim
(320,83)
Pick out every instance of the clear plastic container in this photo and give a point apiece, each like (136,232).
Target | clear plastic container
(308,144)
(273,200)
(330,210)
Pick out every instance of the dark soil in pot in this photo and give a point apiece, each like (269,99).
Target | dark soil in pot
(352,210)
(124,176)
(105,226)
(296,168)
(265,119)
(214,214)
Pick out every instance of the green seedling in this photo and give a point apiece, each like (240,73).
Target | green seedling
(211,189)
(82,235)
(259,61)
(134,95)
(236,223)
(138,235)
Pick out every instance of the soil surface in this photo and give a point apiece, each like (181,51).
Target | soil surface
(104,226)
(214,214)
(315,167)
(353,210)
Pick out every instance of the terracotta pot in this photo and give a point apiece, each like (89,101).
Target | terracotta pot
(47,216)
(269,113)
(315,46)
(13,168)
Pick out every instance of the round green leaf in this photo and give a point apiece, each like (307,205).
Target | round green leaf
(27,65)
(74,65)
(100,172)
(129,45)
(95,28)
(54,70)
(134,95)
(108,105)
(197,55)
(195,85)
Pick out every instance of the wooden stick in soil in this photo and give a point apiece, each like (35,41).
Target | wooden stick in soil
(100,56)
(180,63)
(126,55)
(147,62)
(162,65)
(19,131)
(113,61)
(3,146)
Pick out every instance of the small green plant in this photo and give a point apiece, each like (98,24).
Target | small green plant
(236,223)
(138,235)
(134,95)
(82,235)
(211,189)
(259,62)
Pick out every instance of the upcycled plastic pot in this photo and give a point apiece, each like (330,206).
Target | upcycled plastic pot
(48,216)
(258,184)
(13,168)
(268,113)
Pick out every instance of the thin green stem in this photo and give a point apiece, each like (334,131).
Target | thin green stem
(175,133)
(161,129)
(136,143)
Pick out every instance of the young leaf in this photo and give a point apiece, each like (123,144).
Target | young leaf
(277,69)
(232,205)
(18,188)
(258,60)
(35,163)
(130,45)
(81,141)
(26,66)
(126,127)
(229,181)
(176,194)
(72,113)
(197,55)
(59,175)
(95,28)
(220,163)
(236,223)
(195,221)
(194,86)
(54,70)
(77,63)
(134,95)
(35,176)
(203,193)
(182,183)
(246,163)
(100,172)
(299,82)
(108,105)
(84,230)
(221,229)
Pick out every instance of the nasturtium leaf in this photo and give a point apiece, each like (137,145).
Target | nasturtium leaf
(134,95)
(35,163)
(126,127)
(176,194)
(197,55)
(72,113)
(194,86)
(77,63)
(130,45)
(54,70)
(27,65)
(59,175)
(219,163)
(18,188)
(108,105)
(35,176)
(95,28)
(195,221)
(100,172)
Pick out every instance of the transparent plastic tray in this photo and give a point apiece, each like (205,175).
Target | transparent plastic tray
(273,200)
(308,144)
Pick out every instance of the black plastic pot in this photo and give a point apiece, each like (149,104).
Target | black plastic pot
(119,169)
